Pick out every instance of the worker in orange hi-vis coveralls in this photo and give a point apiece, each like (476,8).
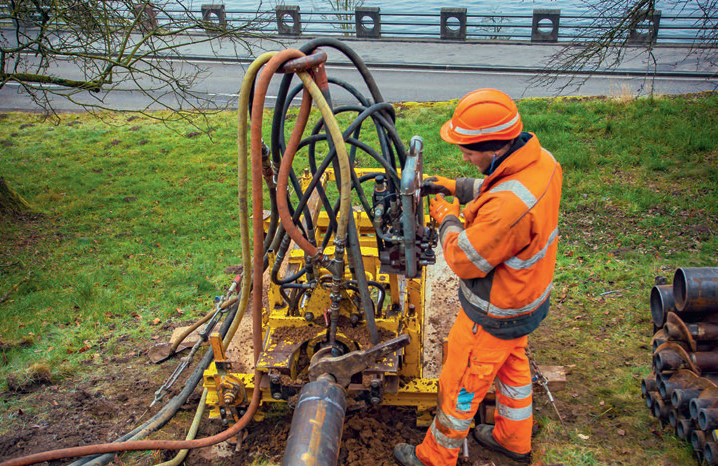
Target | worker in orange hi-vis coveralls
(505,254)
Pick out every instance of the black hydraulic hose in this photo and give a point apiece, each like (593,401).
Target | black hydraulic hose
(393,175)
(355,59)
(320,171)
(382,293)
(278,262)
(380,122)
(305,211)
(350,89)
(393,134)
(280,117)
(273,219)
(277,138)
(360,277)
(361,179)
(170,409)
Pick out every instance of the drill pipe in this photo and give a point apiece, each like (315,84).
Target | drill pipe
(673,358)
(317,424)
(700,331)
(698,440)
(658,339)
(660,409)
(649,384)
(695,289)
(681,397)
(685,428)
(708,418)
(681,380)
(710,453)
(661,303)
(651,397)
(696,404)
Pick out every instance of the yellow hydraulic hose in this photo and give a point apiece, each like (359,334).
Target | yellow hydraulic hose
(191,434)
(243,154)
(345,206)
(256,324)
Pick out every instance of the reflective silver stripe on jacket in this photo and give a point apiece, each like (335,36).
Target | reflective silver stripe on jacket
(514,414)
(515,393)
(516,187)
(450,229)
(452,422)
(477,186)
(473,255)
(489,308)
(516,263)
(444,440)
(478,132)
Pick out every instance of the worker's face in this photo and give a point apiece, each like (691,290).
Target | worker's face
(480,159)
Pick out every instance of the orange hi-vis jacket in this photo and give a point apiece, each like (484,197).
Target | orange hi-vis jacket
(506,253)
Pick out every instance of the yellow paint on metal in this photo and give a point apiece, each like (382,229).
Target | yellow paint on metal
(406,316)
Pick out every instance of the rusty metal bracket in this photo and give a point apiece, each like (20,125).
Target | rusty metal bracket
(343,367)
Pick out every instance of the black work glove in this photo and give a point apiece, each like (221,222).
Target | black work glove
(438,185)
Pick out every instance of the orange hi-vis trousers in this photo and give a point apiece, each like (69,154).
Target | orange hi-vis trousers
(475,358)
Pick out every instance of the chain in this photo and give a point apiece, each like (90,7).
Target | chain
(541,379)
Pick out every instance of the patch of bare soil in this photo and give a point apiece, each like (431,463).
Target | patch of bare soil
(109,402)
(115,397)
(442,306)
(368,439)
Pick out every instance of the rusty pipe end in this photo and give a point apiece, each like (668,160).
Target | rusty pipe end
(662,303)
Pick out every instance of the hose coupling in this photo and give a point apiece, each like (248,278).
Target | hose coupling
(319,258)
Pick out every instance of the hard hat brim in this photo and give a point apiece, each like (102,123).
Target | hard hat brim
(446,134)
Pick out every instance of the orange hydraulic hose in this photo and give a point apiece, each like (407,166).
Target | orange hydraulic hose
(283,177)
(257,113)
(256,338)
(142,444)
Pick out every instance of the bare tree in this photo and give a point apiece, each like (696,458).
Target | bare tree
(114,46)
(619,29)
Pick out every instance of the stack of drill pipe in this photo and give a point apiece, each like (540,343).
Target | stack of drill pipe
(682,390)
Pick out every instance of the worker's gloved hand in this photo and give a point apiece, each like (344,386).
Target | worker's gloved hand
(438,185)
(439,208)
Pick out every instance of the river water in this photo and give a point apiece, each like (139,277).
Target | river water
(508,7)
(400,25)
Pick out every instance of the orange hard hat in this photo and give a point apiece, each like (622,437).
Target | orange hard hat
(483,115)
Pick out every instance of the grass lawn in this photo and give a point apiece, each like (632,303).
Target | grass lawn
(138,228)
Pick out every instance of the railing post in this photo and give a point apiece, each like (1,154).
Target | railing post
(289,21)
(217,10)
(147,17)
(540,18)
(365,15)
(652,22)
(450,31)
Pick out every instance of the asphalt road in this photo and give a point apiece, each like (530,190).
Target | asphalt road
(420,72)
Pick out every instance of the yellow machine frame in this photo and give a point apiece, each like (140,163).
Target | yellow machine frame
(400,376)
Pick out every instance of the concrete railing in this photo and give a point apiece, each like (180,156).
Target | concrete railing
(460,24)
(448,24)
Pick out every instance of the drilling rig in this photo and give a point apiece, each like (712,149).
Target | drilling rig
(339,259)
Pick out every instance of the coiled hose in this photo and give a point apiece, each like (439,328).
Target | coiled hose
(342,229)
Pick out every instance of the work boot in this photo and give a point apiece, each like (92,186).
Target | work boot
(405,455)
(484,434)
